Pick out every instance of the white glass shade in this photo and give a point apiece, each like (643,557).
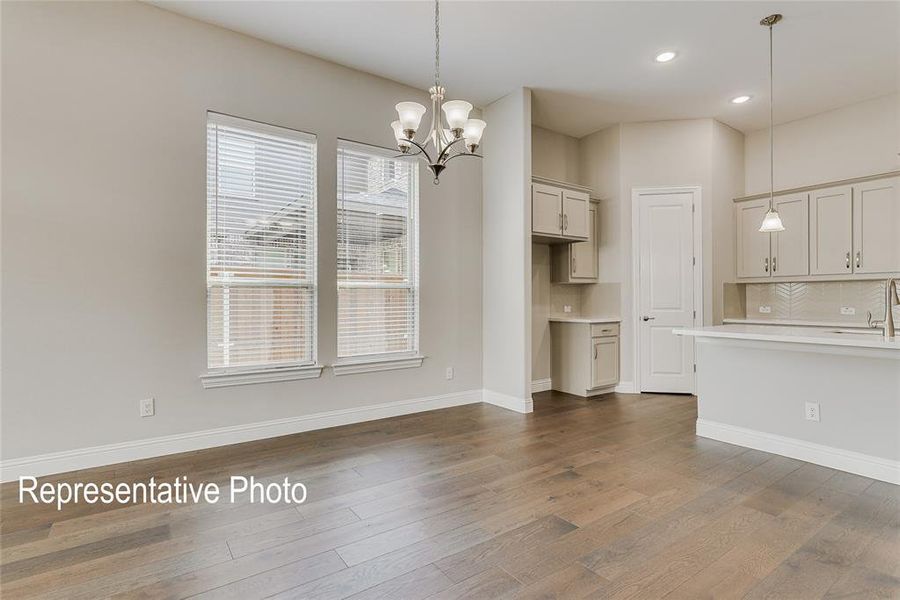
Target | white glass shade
(472,131)
(399,135)
(410,115)
(457,112)
(771,222)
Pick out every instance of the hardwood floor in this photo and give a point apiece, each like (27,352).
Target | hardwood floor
(606,498)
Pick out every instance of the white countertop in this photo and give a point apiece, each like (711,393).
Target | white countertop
(796,323)
(796,335)
(571,319)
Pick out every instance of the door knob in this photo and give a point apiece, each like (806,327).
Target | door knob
(648,318)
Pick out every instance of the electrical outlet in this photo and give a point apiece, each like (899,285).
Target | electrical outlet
(765,309)
(812,411)
(449,372)
(848,310)
(148,407)
(567,308)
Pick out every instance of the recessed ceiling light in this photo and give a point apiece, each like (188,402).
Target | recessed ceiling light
(740,99)
(666,56)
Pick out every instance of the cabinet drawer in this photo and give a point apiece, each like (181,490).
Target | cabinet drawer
(604,329)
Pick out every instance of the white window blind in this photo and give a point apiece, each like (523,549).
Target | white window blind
(261,245)
(377,258)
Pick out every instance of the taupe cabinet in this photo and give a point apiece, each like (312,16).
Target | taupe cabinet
(585,356)
(840,230)
(577,262)
(785,253)
(559,214)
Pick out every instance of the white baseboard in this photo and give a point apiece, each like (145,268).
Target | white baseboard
(625,387)
(84,458)
(866,465)
(541,385)
(521,405)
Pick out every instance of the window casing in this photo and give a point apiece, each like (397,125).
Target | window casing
(261,246)
(377,254)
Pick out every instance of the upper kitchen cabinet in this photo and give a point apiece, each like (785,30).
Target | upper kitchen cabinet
(781,254)
(753,247)
(578,262)
(831,231)
(560,212)
(841,230)
(790,248)
(876,226)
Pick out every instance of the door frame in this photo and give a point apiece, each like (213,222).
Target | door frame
(636,194)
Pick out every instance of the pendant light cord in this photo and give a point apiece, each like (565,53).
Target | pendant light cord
(771,127)
(437,44)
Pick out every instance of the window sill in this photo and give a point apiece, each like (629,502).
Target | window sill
(369,365)
(216,380)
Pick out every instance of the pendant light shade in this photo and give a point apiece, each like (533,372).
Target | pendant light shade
(772,221)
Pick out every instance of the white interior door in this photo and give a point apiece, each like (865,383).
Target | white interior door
(666,265)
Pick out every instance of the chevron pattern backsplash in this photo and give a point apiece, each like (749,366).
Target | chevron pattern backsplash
(816,301)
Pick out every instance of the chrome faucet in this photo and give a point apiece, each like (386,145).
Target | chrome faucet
(890,298)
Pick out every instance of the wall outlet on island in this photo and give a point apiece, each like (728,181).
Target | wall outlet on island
(812,411)
(449,373)
(765,309)
(567,308)
(848,310)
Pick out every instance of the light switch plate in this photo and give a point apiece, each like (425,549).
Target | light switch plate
(765,309)
(148,407)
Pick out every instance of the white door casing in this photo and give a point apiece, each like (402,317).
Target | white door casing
(667,288)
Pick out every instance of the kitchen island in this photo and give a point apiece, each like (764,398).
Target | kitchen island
(828,396)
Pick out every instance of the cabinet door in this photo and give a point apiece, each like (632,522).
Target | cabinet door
(830,231)
(585,254)
(790,248)
(575,214)
(876,226)
(605,365)
(752,245)
(546,209)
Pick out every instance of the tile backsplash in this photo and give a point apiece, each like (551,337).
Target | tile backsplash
(839,302)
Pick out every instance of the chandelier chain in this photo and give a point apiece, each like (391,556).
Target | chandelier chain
(437,44)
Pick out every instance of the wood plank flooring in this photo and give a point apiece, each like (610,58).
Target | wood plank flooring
(613,497)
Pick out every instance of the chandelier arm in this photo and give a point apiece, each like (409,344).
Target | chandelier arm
(463,154)
(446,150)
(421,148)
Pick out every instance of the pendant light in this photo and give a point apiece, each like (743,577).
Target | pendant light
(772,221)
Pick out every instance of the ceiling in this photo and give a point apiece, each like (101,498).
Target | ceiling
(591,64)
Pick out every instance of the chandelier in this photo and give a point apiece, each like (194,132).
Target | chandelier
(443,141)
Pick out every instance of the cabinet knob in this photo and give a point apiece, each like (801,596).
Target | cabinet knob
(848,260)
(766,264)
(858,258)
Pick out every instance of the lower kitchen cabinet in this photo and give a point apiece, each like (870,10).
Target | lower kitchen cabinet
(585,355)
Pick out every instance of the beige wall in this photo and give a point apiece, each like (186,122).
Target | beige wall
(506,301)
(616,160)
(852,141)
(103,225)
(554,155)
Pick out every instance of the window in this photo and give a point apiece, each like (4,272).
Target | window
(377,254)
(261,246)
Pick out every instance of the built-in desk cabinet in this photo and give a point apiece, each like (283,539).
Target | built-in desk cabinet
(585,357)
(577,262)
(844,230)
(560,213)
